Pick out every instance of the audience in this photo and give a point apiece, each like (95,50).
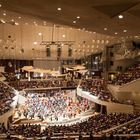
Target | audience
(130,128)
(26,130)
(20,85)
(97,124)
(2,128)
(9,76)
(6,95)
(53,105)
(97,87)
(132,73)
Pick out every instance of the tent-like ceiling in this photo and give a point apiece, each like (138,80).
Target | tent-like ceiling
(93,15)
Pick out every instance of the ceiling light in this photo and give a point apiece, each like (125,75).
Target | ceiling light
(107,41)
(16,23)
(40,34)
(59,9)
(105,29)
(78,17)
(2,21)
(94,32)
(57,43)
(44,23)
(35,43)
(19,17)
(116,33)
(120,16)
(0,5)
(63,36)
(4,14)
(74,21)
(124,31)
(12,20)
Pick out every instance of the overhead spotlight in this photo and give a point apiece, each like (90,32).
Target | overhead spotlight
(44,23)
(35,22)
(16,23)
(0,5)
(124,31)
(12,20)
(19,17)
(4,14)
(78,17)
(63,36)
(120,16)
(105,29)
(59,9)
(35,43)
(40,34)
(2,21)
(116,33)
(98,41)
(74,21)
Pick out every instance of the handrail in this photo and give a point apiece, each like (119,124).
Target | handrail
(121,125)
(129,83)
(67,136)
(102,101)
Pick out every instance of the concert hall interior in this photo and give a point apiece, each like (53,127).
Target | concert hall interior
(69,70)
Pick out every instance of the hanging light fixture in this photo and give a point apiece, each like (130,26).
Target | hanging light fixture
(54,42)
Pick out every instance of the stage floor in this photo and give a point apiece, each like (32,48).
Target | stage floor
(61,121)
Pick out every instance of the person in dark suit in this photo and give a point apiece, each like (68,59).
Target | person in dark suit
(91,136)
(111,137)
(80,136)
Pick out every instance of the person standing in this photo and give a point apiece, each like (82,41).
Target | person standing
(80,136)
(91,136)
